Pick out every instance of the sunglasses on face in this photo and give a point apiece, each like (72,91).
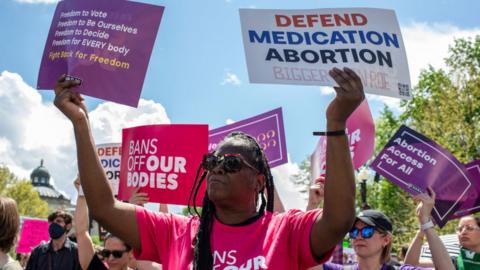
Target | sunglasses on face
(468,228)
(366,232)
(231,163)
(116,253)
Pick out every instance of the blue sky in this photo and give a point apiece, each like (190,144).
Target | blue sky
(197,74)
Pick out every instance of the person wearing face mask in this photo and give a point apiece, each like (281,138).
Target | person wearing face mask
(59,252)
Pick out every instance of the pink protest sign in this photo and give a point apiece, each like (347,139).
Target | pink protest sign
(472,201)
(107,44)
(34,231)
(267,128)
(361,135)
(162,160)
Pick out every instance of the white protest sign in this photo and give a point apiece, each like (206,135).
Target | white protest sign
(110,156)
(300,46)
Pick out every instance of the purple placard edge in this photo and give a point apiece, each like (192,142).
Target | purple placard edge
(277,113)
(476,208)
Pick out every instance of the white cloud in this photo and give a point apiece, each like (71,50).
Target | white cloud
(427,44)
(231,78)
(31,130)
(391,102)
(228,122)
(326,90)
(109,118)
(38,1)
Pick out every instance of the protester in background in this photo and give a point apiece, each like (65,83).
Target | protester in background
(9,225)
(233,229)
(315,200)
(140,199)
(468,232)
(372,239)
(116,253)
(59,252)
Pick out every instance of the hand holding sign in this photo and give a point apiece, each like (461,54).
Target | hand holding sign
(424,208)
(69,102)
(349,95)
(138,198)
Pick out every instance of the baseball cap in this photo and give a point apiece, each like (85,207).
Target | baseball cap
(377,219)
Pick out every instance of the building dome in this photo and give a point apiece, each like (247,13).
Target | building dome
(40,176)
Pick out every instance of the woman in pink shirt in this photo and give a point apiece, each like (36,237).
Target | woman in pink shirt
(237,229)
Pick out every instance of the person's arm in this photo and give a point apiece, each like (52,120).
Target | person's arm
(117,217)
(412,257)
(84,241)
(339,203)
(441,258)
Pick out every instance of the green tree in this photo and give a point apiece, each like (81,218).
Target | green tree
(22,191)
(446,104)
(446,108)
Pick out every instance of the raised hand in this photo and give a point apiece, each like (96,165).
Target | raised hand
(349,96)
(138,198)
(425,206)
(315,193)
(68,101)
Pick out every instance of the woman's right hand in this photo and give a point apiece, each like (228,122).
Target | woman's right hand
(69,102)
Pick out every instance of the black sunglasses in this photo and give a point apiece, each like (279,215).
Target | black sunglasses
(116,253)
(231,163)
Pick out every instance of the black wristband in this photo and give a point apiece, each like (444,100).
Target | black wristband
(330,133)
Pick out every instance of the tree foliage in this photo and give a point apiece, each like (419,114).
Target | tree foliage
(22,191)
(446,108)
(446,104)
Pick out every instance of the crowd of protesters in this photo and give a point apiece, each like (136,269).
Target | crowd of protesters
(239,216)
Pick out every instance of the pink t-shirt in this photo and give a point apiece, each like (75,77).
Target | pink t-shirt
(274,241)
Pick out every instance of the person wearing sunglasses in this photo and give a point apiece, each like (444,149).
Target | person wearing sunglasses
(116,253)
(468,232)
(236,227)
(372,238)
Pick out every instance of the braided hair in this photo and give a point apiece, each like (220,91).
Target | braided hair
(203,259)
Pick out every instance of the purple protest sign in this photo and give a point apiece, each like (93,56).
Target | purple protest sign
(267,128)
(107,44)
(361,136)
(414,162)
(472,202)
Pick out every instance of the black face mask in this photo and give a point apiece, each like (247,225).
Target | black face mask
(56,231)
